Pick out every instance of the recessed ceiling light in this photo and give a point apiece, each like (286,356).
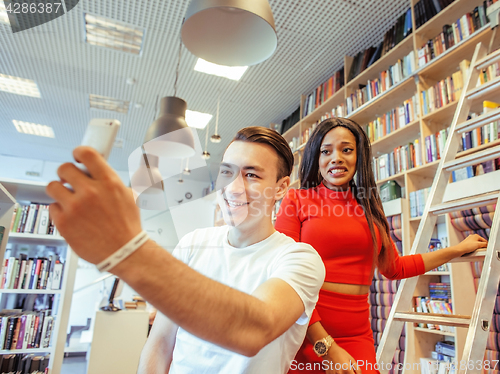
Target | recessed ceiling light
(197,120)
(108,33)
(34,129)
(18,86)
(108,103)
(230,72)
(4,18)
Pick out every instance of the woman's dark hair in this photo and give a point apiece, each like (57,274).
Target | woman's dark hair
(264,135)
(363,185)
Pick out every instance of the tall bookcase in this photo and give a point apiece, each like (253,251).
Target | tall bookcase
(420,342)
(14,192)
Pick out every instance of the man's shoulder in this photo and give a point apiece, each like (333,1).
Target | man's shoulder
(288,245)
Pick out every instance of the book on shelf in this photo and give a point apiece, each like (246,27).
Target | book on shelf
(434,145)
(453,34)
(426,9)
(33,219)
(39,273)
(403,158)
(394,119)
(397,33)
(24,363)
(291,120)
(390,190)
(417,201)
(444,92)
(323,92)
(25,330)
(435,245)
(395,74)
(425,304)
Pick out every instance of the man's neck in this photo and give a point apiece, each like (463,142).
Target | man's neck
(241,237)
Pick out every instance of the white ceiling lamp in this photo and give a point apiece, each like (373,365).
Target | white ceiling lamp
(19,86)
(230,32)
(230,72)
(215,138)
(33,129)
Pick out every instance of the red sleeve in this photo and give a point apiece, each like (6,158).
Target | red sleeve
(405,266)
(314,317)
(288,220)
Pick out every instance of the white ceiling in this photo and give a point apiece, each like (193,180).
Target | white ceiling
(313,37)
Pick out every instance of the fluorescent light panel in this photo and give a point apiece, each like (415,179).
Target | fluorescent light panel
(4,18)
(18,86)
(108,103)
(34,129)
(198,120)
(108,33)
(230,72)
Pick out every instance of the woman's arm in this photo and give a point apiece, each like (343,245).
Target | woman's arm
(437,258)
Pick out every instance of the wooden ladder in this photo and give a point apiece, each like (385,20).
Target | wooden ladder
(480,321)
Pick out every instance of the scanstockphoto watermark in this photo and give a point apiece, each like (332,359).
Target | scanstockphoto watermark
(361,364)
(381,366)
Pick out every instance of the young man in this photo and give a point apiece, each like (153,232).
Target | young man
(232,299)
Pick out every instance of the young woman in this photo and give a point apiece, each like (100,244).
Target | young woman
(339,212)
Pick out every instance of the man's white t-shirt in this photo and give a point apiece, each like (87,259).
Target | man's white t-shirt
(209,252)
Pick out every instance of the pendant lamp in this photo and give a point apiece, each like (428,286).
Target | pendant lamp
(169,135)
(205,155)
(230,32)
(147,183)
(215,138)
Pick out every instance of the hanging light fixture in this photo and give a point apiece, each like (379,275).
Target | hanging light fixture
(147,183)
(186,170)
(205,155)
(169,135)
(180,180)
(230,32)
(215,138)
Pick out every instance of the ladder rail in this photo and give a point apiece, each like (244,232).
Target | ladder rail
(404,294)
(477,335)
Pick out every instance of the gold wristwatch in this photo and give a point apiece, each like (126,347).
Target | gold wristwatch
(322,346)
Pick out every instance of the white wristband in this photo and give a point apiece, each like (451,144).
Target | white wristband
(123,252)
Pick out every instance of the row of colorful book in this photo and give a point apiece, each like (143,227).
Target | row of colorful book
(40,273)
(323,92)
(453,34)
(381,297)
(426,9)
(434,145)
(403,158)
(397,33)
(387,79)
(298,141)
(24,363)
(478,221)
(33,219)
(26,330)
(436,305)
(394,119)
(444,92)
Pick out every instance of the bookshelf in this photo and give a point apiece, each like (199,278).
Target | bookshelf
(419,341)
(14,192)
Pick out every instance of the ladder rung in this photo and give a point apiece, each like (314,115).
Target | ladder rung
(473,159)
(467,203)
(484,89)
(488,60)
(479,121)
(435,319)
(472,257)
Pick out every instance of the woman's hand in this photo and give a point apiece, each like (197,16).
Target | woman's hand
(470,244)
(341,362)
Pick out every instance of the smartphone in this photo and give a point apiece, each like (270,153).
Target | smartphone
(100,135)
